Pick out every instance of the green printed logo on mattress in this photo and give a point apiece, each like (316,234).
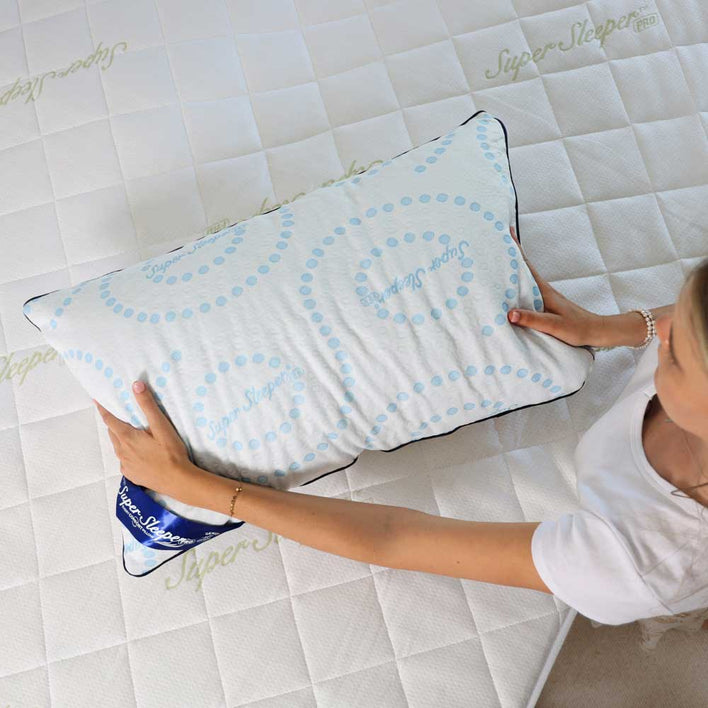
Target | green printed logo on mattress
(10,369)
(350,171)
(32,88)
(646,21)
(579,34)
(194,568)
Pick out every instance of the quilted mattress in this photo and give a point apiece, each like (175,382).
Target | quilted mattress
(129,128)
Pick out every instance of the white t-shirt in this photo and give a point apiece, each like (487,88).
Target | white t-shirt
(627,552)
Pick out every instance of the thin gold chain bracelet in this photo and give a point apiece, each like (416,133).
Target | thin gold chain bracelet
(233,499)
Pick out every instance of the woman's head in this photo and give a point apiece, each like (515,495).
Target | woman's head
(681,377)
(681,380)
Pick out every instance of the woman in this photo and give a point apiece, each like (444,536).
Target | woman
(626,554)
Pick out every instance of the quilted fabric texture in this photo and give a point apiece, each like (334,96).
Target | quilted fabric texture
(366,315)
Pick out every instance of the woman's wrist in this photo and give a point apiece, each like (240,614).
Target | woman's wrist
(199,487)
(628,329)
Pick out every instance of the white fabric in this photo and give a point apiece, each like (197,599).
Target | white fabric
(632,549)
(211,115)
(366,315)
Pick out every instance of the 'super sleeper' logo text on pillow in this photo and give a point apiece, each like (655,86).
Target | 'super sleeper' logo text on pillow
(368,314)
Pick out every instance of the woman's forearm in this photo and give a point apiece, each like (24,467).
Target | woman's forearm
(357,530)
(628,329)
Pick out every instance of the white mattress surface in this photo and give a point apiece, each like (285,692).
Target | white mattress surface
(130,128)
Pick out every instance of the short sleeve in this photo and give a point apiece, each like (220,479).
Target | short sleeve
(584,563)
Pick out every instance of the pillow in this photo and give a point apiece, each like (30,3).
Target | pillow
(365,315)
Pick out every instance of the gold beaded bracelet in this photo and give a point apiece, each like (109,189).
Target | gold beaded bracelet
(651,331)
(233,499)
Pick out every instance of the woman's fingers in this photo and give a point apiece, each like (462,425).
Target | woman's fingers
(159,424)
(114,440)
(114,424)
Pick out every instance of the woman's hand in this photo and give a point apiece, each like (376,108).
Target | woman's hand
(562,318)
(155,458)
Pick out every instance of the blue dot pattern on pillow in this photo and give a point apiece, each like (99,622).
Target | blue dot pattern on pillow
(366,315)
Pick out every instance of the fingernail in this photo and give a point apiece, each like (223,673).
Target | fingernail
(514,317)
(138,386)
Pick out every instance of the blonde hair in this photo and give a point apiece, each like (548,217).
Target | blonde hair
(697,294)
(696,288)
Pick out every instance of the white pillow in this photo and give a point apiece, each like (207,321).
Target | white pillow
(363,316)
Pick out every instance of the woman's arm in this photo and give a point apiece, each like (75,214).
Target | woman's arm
(387,536)
(356,530)
(488,551)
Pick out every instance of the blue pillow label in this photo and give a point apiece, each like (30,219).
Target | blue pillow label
(156,527)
